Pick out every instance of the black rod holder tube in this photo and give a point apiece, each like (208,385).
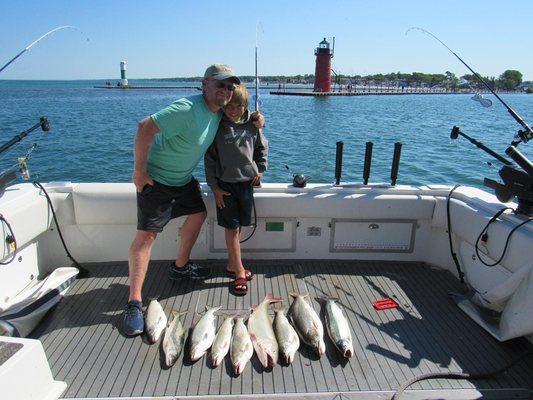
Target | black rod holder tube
(395,163)
(368,162)
(43,123)
(338,163)
(456,132)
(520,159)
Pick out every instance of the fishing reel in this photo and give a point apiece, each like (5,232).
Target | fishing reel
(298,180)
(10,174)
(516,182)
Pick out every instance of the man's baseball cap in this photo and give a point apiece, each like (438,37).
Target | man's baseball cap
(221,72)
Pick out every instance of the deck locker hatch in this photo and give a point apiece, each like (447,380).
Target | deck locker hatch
(376,235)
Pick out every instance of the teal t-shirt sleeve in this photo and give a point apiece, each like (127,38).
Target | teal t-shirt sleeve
(174,119)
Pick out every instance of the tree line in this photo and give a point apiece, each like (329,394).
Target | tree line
(508,80)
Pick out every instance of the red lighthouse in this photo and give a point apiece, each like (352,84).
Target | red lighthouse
(323,66)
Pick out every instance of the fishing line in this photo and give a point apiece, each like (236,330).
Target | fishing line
(38,40)
(524,136)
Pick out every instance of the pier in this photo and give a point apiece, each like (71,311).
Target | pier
(367,91)
(128,87)
(352,93)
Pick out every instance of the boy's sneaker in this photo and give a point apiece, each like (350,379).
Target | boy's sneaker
(133,318)
(189,271)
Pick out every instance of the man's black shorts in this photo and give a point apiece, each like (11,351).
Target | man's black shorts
(238,209)
(158,204)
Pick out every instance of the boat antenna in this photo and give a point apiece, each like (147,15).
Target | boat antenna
(37,41)
(523,135)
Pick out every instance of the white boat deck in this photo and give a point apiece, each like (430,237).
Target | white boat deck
(427,333)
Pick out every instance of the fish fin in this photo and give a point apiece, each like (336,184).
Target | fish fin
(175,314)
(279,308)
(296,294)
(227,315)
(323,299)
(243,315)
(236,314)
(271,299)
(171,319)
(213,309)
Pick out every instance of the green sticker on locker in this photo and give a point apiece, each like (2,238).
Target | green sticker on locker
(275,226)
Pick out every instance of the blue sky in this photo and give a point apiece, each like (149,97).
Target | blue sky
(180,38)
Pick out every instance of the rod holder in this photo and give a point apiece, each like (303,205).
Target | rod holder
(520,159)
(338,163)
(395,163)
(43,123)
(368,162)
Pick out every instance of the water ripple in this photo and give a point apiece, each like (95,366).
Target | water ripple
(93,132)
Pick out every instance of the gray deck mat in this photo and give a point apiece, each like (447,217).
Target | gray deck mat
(427,333)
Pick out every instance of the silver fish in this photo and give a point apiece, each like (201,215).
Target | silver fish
(203,333)
(241,349)
(155,321)
(173,339)
(307,323)
(288,340)
(337,326)
(262,333)
(222,341)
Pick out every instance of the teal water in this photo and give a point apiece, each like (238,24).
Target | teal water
(92,132)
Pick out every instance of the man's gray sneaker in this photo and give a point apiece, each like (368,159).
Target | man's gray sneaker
(133,318)
(189,271)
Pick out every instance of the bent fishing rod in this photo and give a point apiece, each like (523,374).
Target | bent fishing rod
(524,135)
(37,41)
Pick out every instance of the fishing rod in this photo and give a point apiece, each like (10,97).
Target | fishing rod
(256,82)
(256,109)
(524,135)
(37,41)
(257,101)
(516,183)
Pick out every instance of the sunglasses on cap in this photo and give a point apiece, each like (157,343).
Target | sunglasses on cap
(224,85)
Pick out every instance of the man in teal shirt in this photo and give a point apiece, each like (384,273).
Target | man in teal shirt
(168,146)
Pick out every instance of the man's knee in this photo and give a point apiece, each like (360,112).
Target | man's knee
(143,239)
(198,218)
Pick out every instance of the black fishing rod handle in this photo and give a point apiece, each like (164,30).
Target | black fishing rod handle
(395,162)
(368,162)
(338,162)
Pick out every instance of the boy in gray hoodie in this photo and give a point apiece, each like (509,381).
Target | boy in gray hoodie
(233,164)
